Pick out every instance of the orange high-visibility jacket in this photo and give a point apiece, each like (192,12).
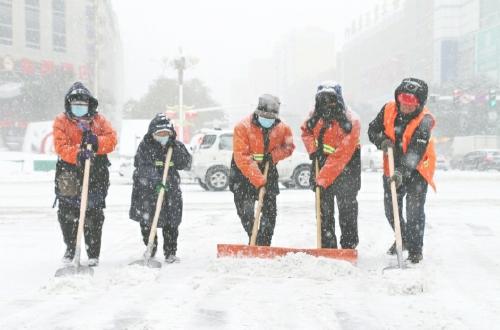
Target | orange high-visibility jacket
(339,145)
(248,147)
(427,165)
(67,136)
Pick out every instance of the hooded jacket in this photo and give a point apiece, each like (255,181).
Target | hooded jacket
(336,144)
(149,165)
(67,133)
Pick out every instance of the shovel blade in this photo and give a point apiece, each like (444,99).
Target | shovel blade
(74,270)
(247,251)
(151,263)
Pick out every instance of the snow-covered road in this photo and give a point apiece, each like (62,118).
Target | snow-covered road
(456,287)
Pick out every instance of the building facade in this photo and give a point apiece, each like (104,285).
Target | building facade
(45,45)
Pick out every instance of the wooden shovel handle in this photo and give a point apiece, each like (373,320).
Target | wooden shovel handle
(395,209)
(318,209)
(83,208)
(159,200)
(258,210)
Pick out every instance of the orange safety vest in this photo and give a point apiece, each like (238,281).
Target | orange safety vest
(427,165)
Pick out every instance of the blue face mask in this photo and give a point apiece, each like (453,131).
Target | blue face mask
(266,122)
(162,139)
(79,110)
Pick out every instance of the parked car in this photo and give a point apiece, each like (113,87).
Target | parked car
(212,160)
(482,160)
(371,158)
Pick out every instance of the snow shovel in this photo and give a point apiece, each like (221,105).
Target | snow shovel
(147,260)
(395,211)
(76,268)
(268,252)
(258,211)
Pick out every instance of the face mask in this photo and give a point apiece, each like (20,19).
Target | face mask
(79,110)
(266,122)
(162,139)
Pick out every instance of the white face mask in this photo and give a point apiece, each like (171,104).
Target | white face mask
(162,139)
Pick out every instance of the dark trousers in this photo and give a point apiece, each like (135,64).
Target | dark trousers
(412,229)
(348,217)
(92,229)
(245,207)
(170,234)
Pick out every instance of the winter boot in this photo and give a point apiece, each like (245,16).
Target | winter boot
(68,256)
(170,259)
(415,257)
(392,249)
(93,262)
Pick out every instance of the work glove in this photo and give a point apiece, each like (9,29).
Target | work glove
(90,138)
(315,155)
(159,186)
(83,155)
(397,178)
(386,144)
(267,159)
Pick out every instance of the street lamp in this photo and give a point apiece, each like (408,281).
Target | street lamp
(181,63)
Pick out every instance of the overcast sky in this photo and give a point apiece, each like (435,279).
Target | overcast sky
(221,33)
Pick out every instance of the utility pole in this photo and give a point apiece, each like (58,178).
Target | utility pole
(180,66)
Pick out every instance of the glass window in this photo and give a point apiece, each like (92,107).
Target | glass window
(6,22)
(208,141)
(226,142)
(33,23)
(58,25)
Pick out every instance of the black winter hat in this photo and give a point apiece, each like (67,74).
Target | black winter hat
(161,123)
(413,86)
(78,92)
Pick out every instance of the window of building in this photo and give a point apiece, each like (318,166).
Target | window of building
(32,23)
(6,22)
(58,25)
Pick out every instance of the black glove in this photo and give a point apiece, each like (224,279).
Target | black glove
(397,178)
(90,138)
(83,155)
(267,159)
(386,144)
(315,155)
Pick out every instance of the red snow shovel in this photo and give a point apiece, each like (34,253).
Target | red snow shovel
(395,211)
(147,260)
(76,268)
(253,251)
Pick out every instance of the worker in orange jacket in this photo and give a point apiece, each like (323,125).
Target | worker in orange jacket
(405,125)
(259,139)
(331,137)
(81,125)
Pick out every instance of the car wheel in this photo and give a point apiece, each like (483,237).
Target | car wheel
(203,185)
(301,176)
(217,178)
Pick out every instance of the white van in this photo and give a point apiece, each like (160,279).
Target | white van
(212,160)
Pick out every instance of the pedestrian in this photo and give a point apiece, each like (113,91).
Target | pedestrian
(331,137)
(258,139)
(149,165)
(405,125)
(79,126)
